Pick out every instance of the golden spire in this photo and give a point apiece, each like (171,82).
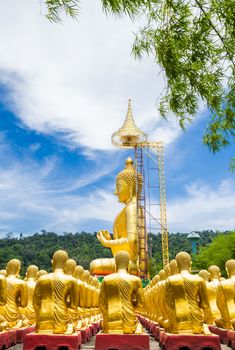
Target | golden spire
(128,135)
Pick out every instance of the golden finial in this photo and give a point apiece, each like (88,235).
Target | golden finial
(128,135)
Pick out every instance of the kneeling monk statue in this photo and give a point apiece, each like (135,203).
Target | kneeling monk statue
(125,224)
(120,295)
(54,293)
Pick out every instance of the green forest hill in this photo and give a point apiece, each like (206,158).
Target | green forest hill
(213,247)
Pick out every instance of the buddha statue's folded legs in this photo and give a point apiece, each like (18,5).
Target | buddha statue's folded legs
(104,266)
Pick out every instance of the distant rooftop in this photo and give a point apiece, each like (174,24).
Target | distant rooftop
(193,235)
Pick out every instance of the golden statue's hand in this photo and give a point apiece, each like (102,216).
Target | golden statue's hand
(104,237)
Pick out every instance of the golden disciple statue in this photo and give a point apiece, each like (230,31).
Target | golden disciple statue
(31,274)
(51,295)
(226,298)
(16,295)
(185,296)
(125,225)
(212,288)
(120,295)
(3,298)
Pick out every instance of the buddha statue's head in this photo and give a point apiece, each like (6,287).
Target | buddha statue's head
(69,267)
(122,260)
(41,273)
(86,276)
(162,275)
(167,270)
(59,259)
(32,271)
(126,182)
(214,272)
(79,272)
(184,261)
(13,267)
(3,272)
(205,275)
(174,267)
(230,267)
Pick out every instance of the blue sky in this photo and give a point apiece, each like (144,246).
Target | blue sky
(60,101)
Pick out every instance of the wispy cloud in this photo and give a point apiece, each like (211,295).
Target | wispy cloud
(203,207)
(77,88)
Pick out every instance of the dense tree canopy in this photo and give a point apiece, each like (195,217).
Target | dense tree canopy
(194,44)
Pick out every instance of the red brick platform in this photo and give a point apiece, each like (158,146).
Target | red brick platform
(7,339)
(191,342)
(52,341)
(86,335)
(231,339)
(222,333)
(122,341)
(21,333)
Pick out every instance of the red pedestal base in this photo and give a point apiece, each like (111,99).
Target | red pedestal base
(122,341)
(96,327)
(52,341)
(7,339)
(86,335)
(222,333)
(190,342)
(231,339)
(21,333)
(156,331)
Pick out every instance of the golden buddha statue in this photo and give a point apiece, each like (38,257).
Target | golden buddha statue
(125,225)
(226,298)
(205,275)
(185,296)
(3,299)
(161,298)
(173,267)
(212,287)
(78,275)
(69,269)
(51,295)
(120,295)
(29,312)
(41,273)
(17,295)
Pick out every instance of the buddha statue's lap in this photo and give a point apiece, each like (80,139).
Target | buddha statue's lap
(125,225)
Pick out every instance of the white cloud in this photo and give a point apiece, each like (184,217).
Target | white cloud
(203,207)
(77,77)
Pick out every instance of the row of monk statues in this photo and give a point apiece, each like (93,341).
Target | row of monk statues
(59,302)
(185,303)
(69,299)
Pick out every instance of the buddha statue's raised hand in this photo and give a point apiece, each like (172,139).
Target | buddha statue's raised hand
(104,237)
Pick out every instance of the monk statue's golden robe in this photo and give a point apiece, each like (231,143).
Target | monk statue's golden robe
(226,298)
(30,282)
(3,298)
(185,296)
(16,295)
(120,294)
(51,296)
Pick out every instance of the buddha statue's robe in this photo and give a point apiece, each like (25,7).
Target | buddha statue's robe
(120,294)
(226,303)
(161,302)
(50,302)
(17,297)
(185,295)
(124,239)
